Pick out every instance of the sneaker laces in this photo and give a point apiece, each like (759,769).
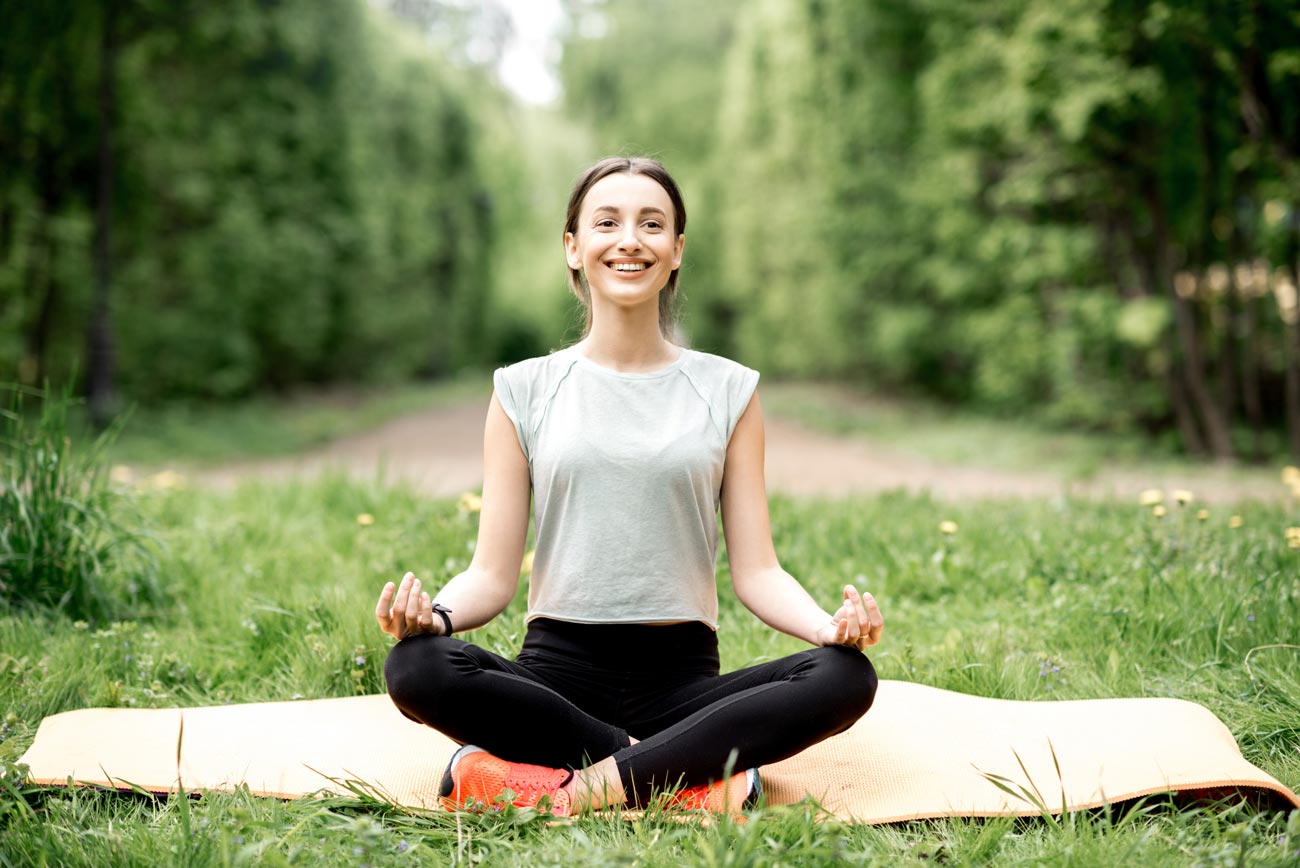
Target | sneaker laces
(532,783)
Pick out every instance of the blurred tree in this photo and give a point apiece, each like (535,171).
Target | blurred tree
(1084,209)
(1017,204)
(47,136)
(287,192)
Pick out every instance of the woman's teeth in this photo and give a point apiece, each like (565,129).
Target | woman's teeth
(629,266)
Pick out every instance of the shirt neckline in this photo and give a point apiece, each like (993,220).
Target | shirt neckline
(629,375)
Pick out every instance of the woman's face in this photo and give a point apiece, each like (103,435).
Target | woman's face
(626,243)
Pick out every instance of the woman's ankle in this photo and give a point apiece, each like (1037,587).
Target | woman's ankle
(596,786)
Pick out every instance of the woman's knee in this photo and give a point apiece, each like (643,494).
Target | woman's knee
(416,667)
(849,673)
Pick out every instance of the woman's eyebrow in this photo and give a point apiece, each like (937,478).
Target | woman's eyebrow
(649,209)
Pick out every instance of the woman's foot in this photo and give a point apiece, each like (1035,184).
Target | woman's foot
(723,797)
(476,780)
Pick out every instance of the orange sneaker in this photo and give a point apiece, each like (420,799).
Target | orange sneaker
(723,797)
(476,780)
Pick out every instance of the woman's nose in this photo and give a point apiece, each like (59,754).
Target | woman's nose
(629,240)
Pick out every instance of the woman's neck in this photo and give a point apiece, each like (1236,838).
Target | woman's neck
(628,345)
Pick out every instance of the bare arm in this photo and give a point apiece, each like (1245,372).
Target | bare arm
(482,591)
(761,584)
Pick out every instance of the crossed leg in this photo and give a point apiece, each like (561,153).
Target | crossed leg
(689,727)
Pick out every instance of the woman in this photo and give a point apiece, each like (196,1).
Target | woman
(631,444)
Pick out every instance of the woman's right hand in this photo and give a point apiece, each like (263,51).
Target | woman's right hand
(406,609)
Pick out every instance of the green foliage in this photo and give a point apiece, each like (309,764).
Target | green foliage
(68,538)
(301,199)
(989,203)
(1082,210)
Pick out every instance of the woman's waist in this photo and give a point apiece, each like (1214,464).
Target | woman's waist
(629,647)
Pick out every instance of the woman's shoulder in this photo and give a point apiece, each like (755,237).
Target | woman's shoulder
(555,358)
(717,367)
(529,378)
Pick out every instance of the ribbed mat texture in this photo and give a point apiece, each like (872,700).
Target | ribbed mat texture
(920,752)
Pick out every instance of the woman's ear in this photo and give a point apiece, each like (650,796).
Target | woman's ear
(571,251)
(677,251)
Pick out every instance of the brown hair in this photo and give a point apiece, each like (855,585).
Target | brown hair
(654,170)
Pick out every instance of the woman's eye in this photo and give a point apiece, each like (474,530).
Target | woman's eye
(604,224)
(653,224)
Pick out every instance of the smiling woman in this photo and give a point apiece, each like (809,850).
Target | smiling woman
(627,445)
(629,210)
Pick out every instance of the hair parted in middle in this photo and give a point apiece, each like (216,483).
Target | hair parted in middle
(654,170)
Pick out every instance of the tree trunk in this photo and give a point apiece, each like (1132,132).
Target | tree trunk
(1251,397)
(1243,309)
(1217,435)
(39,279)
(1292,340)
(42,279)
(1210,250)
(100,334)
(1149,279)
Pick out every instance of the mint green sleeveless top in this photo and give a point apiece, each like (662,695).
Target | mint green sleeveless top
(627,476)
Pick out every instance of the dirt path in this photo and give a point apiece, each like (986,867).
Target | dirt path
(440,452)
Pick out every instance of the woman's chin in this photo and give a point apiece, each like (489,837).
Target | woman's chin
(628,297)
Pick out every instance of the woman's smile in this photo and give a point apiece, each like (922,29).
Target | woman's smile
(628,266)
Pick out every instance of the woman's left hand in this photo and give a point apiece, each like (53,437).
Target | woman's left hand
(857,622)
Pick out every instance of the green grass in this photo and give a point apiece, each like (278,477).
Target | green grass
(933,433)
(274,587)
(199,434)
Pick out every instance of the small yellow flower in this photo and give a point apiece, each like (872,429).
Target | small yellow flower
(365,519)
(1151,497)
(527,565)
(1293,543)
(469,502)
(121,474)
(948,527)
(1202,514)
(1293,533)
(1290,474)
(1182,496)
(1158,510)
(167,479)
(1235,521)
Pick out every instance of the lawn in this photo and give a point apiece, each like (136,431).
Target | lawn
(269,589)
(270,595)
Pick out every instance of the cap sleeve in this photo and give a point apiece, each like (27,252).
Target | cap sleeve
(741,388)
(511,391)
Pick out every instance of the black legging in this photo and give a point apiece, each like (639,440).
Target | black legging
(576,693)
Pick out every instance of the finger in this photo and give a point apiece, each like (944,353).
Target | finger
(426,611)
(403,591)
(413,607)
(384,609)
(842,633)
(399,605)
(874,618)
(851,594)
(853,629)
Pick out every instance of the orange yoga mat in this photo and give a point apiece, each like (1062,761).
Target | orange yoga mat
(919,753)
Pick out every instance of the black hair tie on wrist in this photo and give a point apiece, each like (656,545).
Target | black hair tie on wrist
(446,621)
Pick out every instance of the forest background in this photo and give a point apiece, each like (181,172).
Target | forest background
(1081,211)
